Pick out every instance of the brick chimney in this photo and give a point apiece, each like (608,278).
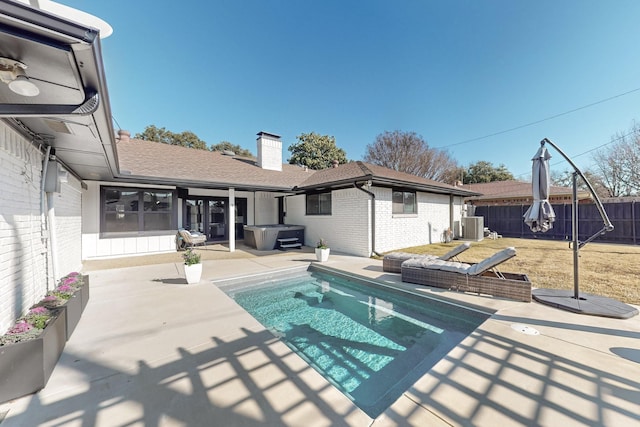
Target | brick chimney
(124,135)
(269,151)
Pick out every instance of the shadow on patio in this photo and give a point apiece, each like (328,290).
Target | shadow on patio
(252,380)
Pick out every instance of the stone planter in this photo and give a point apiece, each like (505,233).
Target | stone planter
(73,308)
(25,367)
(84,291)
(322,255)
(193,273)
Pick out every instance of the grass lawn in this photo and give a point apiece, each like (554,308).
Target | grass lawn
(605,269)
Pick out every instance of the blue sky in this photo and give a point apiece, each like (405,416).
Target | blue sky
(451,71)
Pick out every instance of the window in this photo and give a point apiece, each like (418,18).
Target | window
(404,202)
(319,204)
(132,211)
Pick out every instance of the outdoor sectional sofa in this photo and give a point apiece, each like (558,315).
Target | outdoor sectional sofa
(480,278)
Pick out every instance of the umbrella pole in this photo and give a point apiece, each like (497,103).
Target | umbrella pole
(576,240)
(586,304)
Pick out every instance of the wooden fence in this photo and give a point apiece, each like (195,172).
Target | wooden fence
(625,216)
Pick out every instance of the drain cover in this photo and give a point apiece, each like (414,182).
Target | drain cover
(528,330)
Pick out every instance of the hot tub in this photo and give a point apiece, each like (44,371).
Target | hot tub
(265,237)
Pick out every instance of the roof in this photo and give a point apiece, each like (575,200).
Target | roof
(349,173)
(176,165)
(514,189)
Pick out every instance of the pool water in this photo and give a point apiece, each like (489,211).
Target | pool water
(370,342)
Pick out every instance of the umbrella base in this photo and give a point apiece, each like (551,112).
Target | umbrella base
(593,305)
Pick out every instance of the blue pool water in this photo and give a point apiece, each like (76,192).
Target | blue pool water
(370,342)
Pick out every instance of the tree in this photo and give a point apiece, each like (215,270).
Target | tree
(227,146)
(565,179)
(408,152)
(184,139)
(482,171)
(316,151)
(619,166)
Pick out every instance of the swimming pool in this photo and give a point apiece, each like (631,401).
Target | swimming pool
(372,343)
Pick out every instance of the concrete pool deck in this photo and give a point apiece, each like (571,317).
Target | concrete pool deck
(153,351)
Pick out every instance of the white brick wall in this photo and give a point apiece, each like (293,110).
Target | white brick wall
(68,209)
(402,231)
(347,229)
(23,260)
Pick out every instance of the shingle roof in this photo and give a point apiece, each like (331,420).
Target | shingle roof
(510,189)
(360,171)
(188,166)
(176,165)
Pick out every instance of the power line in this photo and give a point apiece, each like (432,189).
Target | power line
(621,137)
(541,120)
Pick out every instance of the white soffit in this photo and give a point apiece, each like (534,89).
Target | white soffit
(71,14)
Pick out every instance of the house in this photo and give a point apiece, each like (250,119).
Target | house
(510,193)
(74,190)
(358,207)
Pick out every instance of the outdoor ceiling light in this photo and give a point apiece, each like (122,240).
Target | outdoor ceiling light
(12,73)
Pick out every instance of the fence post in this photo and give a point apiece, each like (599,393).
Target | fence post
(633,220)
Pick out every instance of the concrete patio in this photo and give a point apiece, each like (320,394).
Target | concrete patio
(153,351)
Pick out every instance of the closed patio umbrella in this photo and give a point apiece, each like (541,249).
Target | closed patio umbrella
(540,215)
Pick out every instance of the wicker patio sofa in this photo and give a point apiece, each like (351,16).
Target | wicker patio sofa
(480,278)
(191,238)
(392,262)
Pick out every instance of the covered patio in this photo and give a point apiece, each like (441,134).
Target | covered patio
(151,350)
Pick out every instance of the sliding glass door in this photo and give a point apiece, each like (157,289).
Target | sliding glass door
(209,215)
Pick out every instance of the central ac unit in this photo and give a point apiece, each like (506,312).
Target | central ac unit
(473,228)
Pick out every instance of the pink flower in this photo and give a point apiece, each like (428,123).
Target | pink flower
(49,298)
(70,281)
(73,274)
(65,288)
(20,328)
(39,310)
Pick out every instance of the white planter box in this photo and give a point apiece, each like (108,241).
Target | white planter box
(322,255)
(193,273)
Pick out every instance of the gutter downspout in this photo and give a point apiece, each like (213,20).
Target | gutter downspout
(51,214)
(373,218)
(53,238)
(45,166)
(51,220)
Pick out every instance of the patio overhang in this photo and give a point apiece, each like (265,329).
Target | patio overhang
(125,177)
(71,112)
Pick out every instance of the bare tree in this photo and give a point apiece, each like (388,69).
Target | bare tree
(565,179)
(619,165)
(409,152)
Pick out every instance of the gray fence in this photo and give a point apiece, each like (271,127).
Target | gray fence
(625,216)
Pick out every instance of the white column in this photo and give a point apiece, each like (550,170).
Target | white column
(232,219)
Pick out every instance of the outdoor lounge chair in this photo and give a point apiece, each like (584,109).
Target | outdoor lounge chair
(391,262)
(481,278)
(191,238)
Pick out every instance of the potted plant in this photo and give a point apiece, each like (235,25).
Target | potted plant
(192,266)
(30,350)
(322,251)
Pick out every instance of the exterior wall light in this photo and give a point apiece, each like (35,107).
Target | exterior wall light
(12,73)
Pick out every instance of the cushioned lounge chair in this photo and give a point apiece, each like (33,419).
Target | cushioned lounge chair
(192,238)
(391,262)
(481,278)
